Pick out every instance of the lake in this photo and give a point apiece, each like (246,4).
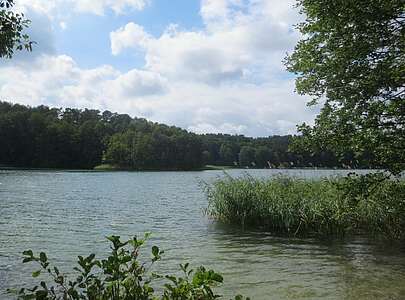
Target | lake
(69,213)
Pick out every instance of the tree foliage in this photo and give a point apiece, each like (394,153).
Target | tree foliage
(272,151)
(121,276)
(352,58)
(247,156)
(12,26)
(72,138)
(43,137)
(155,149)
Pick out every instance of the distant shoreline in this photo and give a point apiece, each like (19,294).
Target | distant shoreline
(109,168)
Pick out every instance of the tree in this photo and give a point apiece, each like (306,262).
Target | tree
(12,25)
(246,156)
(90,138)
(352,58)
(206,157)
(262,156)
(74,138)
(226,154)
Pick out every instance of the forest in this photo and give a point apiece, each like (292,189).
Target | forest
(44,137)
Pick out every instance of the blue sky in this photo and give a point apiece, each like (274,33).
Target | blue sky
(204,65)
(74,40)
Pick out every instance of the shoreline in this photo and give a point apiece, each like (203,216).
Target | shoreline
(102,168)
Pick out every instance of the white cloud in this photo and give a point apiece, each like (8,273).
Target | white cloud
(59,8)
(58,80)
(130,36)
(226,77)
(118,6)
(63,25)
(241,108)
(137,83)
(283,12)
(241,43)
(44,7)
(214,10)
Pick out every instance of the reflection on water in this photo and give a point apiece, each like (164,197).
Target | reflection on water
(69,214)
(262,265)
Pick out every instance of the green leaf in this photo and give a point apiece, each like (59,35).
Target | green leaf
(42,257)
(28,253)
(36,273)
(217,277)
(155,251)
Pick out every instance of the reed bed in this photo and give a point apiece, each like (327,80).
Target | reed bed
(372,204)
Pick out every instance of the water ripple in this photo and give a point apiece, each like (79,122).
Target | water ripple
(70,213)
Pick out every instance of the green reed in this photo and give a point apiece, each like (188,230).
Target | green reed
(371,203)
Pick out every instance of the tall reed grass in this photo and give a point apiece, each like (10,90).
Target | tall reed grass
(370,203)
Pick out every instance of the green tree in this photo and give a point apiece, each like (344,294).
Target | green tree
(262,156)
(144,150)
(90,138)
(246,156)
(74,138)
(352,58)
(226,154)
(206,157)
(121,149)
(117,151)
(12,25)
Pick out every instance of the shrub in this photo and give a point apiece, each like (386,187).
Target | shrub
(121,276)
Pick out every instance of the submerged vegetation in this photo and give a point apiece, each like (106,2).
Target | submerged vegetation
(121,276)
(371,203)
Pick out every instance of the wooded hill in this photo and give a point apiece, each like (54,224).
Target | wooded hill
(43,137)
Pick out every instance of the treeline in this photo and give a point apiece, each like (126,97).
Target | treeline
(46,137)
(268,152)
(43,137)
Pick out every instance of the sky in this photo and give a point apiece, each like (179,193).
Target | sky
(207,66)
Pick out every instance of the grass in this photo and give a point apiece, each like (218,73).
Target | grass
(215,167)
(107,167)
(372,204)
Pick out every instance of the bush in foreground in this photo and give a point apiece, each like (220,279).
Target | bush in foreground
(122,276)
(369,203)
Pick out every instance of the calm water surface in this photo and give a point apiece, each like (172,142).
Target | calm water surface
(69,213)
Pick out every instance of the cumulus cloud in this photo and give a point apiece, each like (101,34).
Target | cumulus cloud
(59,8)
(138,83)
(225,77)
(118,6)
(241,108)
(214,10)
(245,41)
(58,80)
(46,16)
(129,36)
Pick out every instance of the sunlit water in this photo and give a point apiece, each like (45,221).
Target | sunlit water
(69,213)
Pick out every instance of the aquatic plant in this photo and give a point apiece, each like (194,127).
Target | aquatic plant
(370,203)
(121,276)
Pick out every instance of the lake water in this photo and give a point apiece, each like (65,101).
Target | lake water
(69,213)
